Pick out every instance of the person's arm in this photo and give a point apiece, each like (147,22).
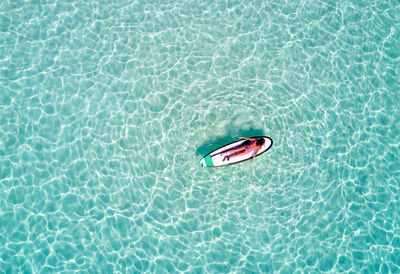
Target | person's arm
(247,138)
(255,153)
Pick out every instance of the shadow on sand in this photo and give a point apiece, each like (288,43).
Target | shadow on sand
(213,144)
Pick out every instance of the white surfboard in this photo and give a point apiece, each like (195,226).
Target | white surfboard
(215,159)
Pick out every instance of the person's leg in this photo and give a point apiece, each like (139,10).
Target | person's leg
(232,151)
(237,149)
(237,154)
(243,152)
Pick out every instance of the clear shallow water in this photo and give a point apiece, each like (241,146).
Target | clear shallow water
(106,108)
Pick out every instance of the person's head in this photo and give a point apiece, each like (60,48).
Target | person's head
(260,141)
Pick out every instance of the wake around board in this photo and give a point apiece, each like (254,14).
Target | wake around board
(214,158)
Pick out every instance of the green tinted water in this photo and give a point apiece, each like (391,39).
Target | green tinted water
(106,108)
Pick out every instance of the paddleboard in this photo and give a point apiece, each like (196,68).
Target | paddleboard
(215,159)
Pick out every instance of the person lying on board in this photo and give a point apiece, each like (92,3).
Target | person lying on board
(252,145)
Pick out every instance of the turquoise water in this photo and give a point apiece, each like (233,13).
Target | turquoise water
(107,106)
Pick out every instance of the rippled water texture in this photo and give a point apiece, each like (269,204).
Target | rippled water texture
(107,106)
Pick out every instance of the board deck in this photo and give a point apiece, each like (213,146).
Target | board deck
(214,158)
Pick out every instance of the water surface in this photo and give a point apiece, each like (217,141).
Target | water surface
(107,106)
